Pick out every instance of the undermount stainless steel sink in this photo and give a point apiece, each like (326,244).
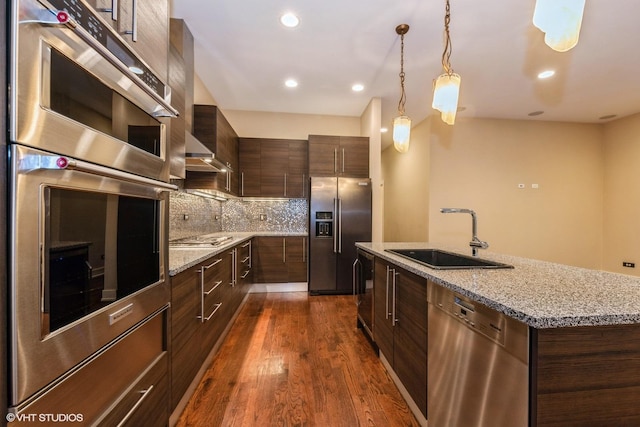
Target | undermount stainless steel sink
(443,260)
(199,242)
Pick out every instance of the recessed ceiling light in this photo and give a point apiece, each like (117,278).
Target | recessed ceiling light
(289,20)
(546,74)
(291,83)
(384,130)
(357,87)
(535,113)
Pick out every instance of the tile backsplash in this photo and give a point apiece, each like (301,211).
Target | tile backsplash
(191,215)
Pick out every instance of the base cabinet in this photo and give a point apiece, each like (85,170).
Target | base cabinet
(204,299)
(400,326)
(280,259)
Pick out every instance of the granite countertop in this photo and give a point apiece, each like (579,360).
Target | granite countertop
(538,293)
(181,259)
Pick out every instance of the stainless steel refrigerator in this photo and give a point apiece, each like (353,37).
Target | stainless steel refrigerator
(340,215)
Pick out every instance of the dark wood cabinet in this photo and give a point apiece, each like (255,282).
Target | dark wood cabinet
(296,258)
(346,156)
(204,299)
(274,160)
(280,259)
(273,167)
(400,331)
(180,79)
(143,25)
(213,130)
(250,167)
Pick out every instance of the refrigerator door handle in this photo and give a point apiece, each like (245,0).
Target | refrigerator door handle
(339,226)
(336,226)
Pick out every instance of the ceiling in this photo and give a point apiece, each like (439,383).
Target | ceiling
(244,55)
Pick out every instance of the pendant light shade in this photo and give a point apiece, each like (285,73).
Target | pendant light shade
(560,20)
(446,87)
(445,96)
(402,123)
(401,133)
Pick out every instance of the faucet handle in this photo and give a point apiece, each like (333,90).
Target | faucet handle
(477,243)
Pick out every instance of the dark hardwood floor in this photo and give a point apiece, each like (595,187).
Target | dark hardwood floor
(292,359)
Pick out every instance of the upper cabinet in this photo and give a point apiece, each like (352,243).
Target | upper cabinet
(213,130)
(273,167)
(144,26)
(346,156)
(181,82)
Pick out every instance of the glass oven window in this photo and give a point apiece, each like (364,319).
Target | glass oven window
(99,248)
(80,96)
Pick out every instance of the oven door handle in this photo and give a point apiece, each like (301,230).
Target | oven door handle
(67,163)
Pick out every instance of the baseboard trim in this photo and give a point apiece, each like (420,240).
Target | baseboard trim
(261,288)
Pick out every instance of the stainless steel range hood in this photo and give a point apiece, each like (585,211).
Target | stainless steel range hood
(199,158)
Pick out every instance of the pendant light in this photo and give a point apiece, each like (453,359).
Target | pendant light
(402,123)
(447,86)
(560,20)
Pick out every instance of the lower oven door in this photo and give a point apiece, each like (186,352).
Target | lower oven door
(88,261)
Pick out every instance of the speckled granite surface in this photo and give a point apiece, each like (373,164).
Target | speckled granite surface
(181,259)
(540,294)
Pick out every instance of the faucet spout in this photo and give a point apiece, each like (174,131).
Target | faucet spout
(475,242)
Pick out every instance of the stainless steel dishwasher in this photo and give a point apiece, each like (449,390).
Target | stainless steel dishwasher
(477,366)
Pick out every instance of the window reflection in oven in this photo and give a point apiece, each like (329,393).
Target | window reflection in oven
(99,248)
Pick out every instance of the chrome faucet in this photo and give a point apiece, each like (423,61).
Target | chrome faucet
(475,243)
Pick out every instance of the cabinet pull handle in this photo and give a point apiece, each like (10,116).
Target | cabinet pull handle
(213,288)
(386,312)
(206,267)
(135,407)
(394,320)
(250,259)
(218,305)
(335,160)
(134,21)
(242,184)
(113,10)
(246,273)
(245,260)
(285,185)
(343,160)
(284,250)
(304,249)
(304,187)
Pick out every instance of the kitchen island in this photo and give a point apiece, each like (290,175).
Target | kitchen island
(584,331)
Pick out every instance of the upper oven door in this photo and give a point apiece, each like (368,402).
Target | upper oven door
(78,90)
(88,261)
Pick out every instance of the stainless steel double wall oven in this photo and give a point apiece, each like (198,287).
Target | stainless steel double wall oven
(89,193)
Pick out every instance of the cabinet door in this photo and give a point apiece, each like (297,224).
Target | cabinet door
(185,346)
(177,125)
(382,328)
(275,164)
(410,335)
(296,258)
(269,262)
(143,25)
(354,156)
(323,155)
(250,164)
(297,175)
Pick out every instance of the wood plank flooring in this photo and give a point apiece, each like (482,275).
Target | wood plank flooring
(292,359)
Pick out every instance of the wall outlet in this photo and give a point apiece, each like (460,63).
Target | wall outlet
(629,264)
(263,217)
(185,217)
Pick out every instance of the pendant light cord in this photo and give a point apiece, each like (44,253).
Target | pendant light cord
(446,54)
(403,96)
